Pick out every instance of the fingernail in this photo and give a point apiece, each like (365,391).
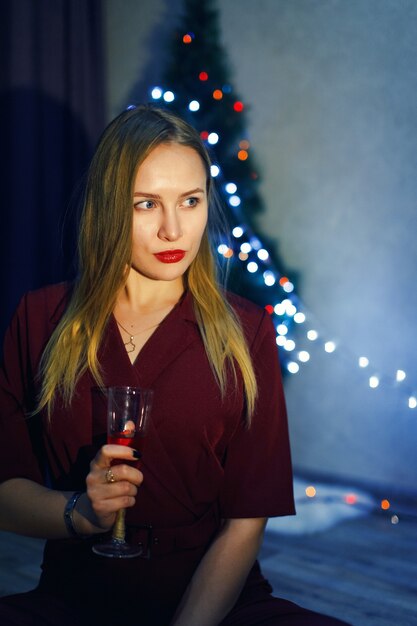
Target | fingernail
(136,454)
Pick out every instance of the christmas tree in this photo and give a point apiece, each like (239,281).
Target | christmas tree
(197,85)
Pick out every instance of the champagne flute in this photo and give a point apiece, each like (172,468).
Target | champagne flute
(128,410)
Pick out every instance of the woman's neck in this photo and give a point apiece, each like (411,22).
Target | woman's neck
(141,306)
(141,295)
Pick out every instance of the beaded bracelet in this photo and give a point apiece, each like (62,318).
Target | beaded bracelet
(68,512)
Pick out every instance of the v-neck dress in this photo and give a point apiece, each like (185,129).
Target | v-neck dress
(201,463)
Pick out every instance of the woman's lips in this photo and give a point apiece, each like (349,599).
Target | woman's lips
(170,256)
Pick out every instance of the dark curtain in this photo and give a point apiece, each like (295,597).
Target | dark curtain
(51,114)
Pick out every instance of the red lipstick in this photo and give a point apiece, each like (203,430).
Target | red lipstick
(170,256)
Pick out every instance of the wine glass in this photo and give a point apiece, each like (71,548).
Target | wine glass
(128,410)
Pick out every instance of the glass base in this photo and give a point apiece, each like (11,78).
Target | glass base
(116,549)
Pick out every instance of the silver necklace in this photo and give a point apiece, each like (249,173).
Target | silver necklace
(130,345)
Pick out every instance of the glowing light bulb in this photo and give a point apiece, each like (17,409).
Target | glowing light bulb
(243,256)
(363,361)
(330,346)
(214,170)
(303,356)
(351,498)
(213,138)
(231,188)
(412,402)
(280,341)
(269,278)
(234,201)
(203,76)
(289,345)
(252,267)
(156,93)
(299,318)
(263,254)
(282,329)
(246,247)
(237,232)
(290,309)
(279,309)
(373,382)
(312,335)
(311,491)
(169,96)
(293,367)
(385,505)
(194,105)
(255,243)
(400,376)
(288,287)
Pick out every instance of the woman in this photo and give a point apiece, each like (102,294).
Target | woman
(145,311)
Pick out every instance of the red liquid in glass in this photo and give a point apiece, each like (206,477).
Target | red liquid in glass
(119,439)
(134,440)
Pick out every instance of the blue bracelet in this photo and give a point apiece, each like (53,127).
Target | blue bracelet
(68,512)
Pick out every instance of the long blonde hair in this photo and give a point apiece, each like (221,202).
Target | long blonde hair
(105,248)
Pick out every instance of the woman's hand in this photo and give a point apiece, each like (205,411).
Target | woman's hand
(210,596)
(106,498)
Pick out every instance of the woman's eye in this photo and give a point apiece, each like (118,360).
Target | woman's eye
(191,202)
(144,204)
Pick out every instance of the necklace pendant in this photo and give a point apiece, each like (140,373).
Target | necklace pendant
(130,346)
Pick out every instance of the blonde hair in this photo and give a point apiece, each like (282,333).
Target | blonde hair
(105,248)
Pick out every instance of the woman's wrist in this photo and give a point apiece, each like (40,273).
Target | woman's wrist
(69,515)
(78,516)
(84,518)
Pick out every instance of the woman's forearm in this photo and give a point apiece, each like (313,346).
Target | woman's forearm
(27,508)
(219,579)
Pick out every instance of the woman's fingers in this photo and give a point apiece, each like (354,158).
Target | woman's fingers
(109,498)
(112,483)
(111,452)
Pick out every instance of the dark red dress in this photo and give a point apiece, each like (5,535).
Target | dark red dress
(200,462)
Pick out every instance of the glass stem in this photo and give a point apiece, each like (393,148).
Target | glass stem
(119,526)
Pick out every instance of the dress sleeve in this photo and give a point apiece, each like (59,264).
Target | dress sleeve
(257,469)
(20,439)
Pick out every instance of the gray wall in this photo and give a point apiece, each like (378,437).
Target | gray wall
(332,94)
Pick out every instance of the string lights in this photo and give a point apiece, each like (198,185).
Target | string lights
(288,312)
(356,500)
(298,334)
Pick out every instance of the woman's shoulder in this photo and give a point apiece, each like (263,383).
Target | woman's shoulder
(34,321)
(46,302)
(243,307)
(254,319)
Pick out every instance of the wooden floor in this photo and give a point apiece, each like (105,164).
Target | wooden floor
(363,570)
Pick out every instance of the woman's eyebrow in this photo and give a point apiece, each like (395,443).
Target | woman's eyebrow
(189,193)
(147,195)
(144,194)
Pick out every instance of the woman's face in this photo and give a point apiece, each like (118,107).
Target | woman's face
(169,212)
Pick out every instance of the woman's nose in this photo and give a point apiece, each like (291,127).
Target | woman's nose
(170,229)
